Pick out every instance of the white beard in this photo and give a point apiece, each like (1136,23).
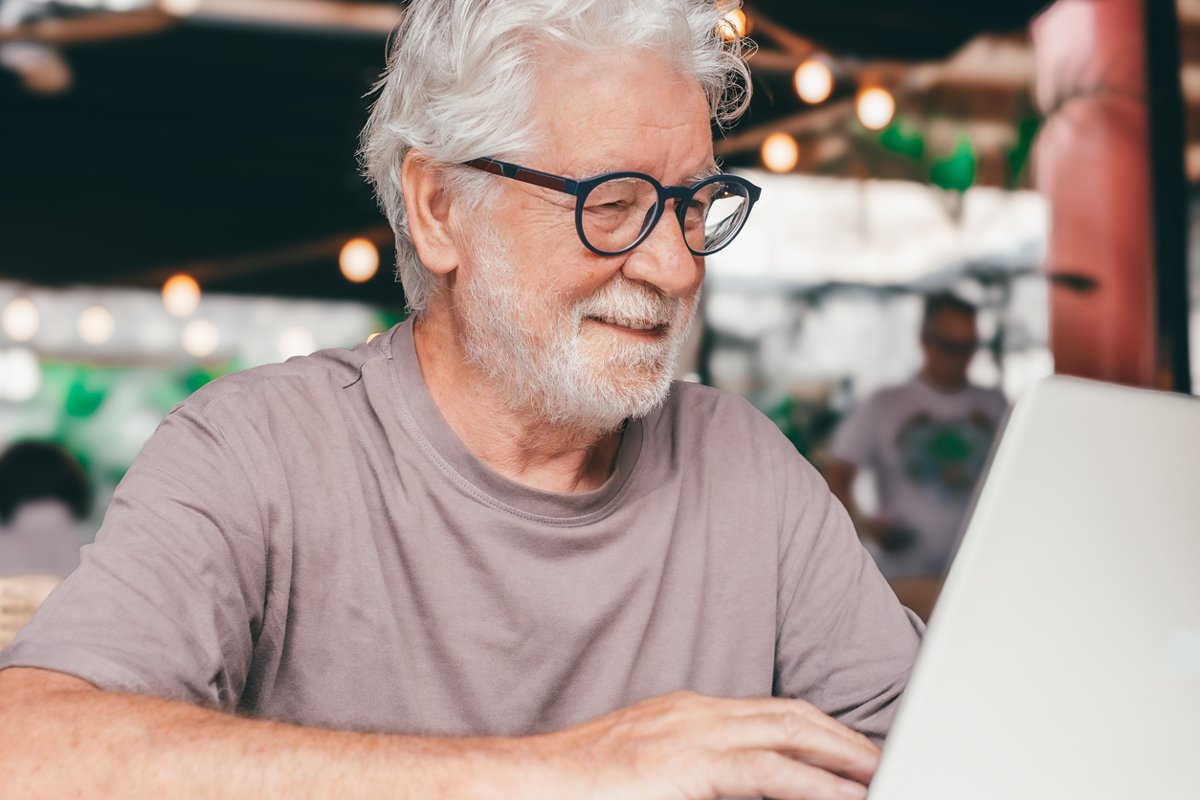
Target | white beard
(535,352)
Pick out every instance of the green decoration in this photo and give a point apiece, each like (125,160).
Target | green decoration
(785,416)
(955,172)
(1018,156)
(902,138)
(388,317)
(86,394)
(195,380)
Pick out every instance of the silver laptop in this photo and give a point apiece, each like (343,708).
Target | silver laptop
(1063,657)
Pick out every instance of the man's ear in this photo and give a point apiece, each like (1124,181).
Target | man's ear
(428,206)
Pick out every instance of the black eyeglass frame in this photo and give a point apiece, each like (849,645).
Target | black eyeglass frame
(682,195)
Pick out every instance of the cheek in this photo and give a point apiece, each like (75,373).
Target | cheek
(578,273)
(553,264)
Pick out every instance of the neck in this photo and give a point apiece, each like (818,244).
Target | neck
(515,443)
(942,385)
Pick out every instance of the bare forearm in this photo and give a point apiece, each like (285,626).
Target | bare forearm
(60,737)
(72,741)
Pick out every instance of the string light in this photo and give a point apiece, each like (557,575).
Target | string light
(359,260)
(181,295)
(813,81)
(96,325)
(21,319)
(875,108)
(780,152)
(20,375)
(733,24)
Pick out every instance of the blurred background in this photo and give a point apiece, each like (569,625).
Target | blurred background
(180,198)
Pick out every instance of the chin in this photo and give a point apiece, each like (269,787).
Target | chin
(602,402)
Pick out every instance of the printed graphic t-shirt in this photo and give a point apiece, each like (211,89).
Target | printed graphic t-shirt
(926,449)
(311,542)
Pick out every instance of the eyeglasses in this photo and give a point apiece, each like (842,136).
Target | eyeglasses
(952,347)
(615,212)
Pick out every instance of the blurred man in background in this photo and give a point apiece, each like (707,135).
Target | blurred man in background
(925,442)
(495,552)
(44,497)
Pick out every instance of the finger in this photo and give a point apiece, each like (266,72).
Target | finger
(755,773)
(789,726)
(799,738)
(785,705)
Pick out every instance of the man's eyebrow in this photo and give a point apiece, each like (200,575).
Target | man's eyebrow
(707,172)
(596,169)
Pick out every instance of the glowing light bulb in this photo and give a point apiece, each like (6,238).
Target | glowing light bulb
(20,319)
(200,338)
(359,260)
(181,295)
(20,375)
(733,24)
(96,325)
(813,81)
(875,108)
(780,152)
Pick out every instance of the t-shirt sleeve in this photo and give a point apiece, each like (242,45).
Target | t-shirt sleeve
(852,441)
(169,598)
(845,644)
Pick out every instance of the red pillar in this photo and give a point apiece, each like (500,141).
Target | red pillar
(1092,162)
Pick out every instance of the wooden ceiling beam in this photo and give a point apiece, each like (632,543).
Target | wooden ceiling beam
(87,29)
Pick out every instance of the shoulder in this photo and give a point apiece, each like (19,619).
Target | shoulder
(299,381)
(256,413)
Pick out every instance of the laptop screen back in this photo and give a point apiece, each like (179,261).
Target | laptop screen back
(1063,658)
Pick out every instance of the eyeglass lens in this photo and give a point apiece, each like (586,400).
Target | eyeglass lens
(617,212)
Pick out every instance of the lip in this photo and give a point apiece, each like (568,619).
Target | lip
(655,332)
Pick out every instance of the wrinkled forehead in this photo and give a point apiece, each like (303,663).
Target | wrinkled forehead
(629,109)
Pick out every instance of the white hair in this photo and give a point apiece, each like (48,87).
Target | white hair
(457,86)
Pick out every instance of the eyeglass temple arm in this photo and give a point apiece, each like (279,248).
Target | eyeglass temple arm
(525,175)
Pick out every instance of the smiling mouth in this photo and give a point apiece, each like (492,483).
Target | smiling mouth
(633,327)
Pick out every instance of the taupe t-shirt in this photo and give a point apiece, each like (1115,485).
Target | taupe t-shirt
(311,542)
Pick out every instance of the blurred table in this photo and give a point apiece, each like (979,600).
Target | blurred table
(20,598)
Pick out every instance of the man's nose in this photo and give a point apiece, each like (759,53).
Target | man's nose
(664,261)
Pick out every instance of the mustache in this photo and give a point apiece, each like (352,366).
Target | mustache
(626,303)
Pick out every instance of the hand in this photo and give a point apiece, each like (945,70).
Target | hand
(684,746)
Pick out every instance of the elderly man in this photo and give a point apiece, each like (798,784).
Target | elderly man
(494,553)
